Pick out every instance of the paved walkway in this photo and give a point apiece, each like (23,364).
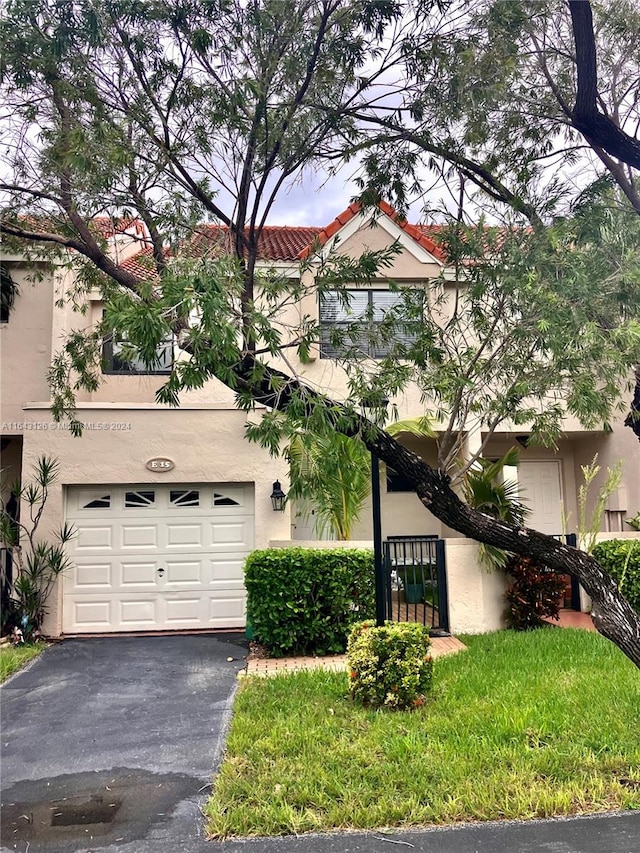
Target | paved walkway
(573,619)
(336,663)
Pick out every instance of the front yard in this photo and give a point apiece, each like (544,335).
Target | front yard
(519,726)
(13,658)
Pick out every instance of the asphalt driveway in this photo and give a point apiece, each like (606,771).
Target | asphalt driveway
(110,744)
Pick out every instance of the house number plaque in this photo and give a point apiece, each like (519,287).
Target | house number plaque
(160,464)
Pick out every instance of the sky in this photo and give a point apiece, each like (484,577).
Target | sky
(315,201)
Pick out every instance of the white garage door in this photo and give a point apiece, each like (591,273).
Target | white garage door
(156,557)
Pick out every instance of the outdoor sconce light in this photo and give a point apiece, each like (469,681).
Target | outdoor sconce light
(278,497)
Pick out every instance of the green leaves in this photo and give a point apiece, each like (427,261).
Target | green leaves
(621,559)
(37,563)
(304,601)
(486,490)
(332,472)
(390,666)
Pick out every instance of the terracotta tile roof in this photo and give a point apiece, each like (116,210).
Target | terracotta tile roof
(101,226)
(282,242)
(141,264)
(414,231)
(276,242)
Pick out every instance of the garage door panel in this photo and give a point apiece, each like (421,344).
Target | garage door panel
(92,538)
(197,535)
(93,575)
(184,572)
(231,535)
(223,611)
(139,612)
(181,535)
(137,536)
(183,612)
(92,614)
(138,574)
(230,569)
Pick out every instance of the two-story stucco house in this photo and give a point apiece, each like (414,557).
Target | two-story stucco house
(168,502)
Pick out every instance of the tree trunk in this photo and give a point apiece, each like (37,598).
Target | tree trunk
(598,128)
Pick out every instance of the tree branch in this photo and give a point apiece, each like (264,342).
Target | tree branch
(599,129)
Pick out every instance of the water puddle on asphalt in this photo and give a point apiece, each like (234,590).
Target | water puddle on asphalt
(69,812)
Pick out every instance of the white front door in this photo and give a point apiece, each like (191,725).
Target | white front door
(156,557)
(540,490)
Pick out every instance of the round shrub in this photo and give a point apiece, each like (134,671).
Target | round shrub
(390,666)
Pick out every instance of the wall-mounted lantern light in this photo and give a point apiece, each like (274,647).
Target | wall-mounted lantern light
(278,497)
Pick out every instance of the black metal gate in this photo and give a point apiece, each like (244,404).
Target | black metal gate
(573,600)
(416,582)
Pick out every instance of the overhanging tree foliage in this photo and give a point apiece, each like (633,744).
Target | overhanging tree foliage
(173,112)
(516,98)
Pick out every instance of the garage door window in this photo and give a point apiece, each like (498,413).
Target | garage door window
(139,500)
(223,500)
(184,498)
(102,502)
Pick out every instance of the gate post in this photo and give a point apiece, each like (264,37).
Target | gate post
(443,596)
(380,584)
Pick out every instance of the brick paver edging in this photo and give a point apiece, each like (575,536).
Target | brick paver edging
(337,663)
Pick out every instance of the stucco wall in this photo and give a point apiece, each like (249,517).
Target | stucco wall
(476,596)
(619,446)
(402,513)
(25,346)
(630,534)
(374,236)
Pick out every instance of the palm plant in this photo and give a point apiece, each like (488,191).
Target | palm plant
(484,490)
(333,473)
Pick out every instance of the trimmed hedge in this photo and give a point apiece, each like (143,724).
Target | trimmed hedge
(621,558)
(390,666)
(305,600)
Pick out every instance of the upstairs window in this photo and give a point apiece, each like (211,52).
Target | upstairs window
(118,359)
(356,322)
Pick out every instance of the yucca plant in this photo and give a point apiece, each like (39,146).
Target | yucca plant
(37,564)
(484,490)
(333,473)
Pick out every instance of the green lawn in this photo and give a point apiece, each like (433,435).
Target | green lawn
(520,726)
(13,658)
